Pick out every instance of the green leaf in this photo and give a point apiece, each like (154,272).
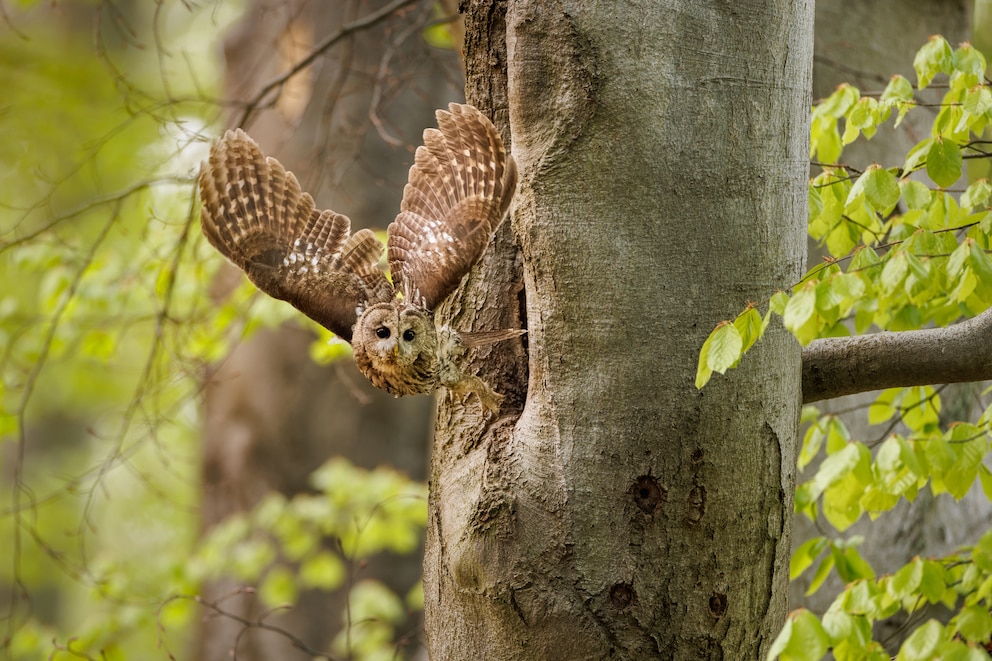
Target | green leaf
(804,556)
(955,650)
(719,352)
(981,554)
(957,260)
(857,190)
(810,413)
(904,109)
(328,347)
(822,572)
(923,643)
(863,114)
(974,623)
(934,581)
(801,639)
(837,465)
(881,189)
(324,570)
(906,581)
(279,587)
(894,272)
(970,579)
(861,598)
(978,100)
(851,566)
(814,202)
(860,118)
(248,559)
(837,104)
(864,258)
(800,308)
(944,162)
(917,156)
(824,139)
(980,263)
(915,194)
(781,641)
(812,442)
(848,286)
(750,326)
(951,122)
(898,89)
(985,475)
(965,287)
(837,436)
(977,194)
(415,597)
(778,302)
(439,36)
(838,624)
(920,408)
(373,601)
(935,57)
(846,235)
(703,373)
(970,61)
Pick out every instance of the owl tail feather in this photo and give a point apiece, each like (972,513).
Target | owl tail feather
(476,339)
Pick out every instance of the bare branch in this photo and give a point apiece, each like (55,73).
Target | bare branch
(842,366)
(247,624)
(276,83)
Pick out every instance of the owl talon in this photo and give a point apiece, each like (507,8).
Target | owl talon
(491,402)
(473,385)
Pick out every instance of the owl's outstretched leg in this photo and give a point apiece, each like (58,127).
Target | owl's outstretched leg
(468,385)
(452,347)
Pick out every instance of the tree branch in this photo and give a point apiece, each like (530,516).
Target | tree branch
(843,366)
(361,24)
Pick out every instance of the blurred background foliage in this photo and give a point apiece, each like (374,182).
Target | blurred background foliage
(107,326)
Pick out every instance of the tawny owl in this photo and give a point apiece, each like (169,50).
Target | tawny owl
(255,213)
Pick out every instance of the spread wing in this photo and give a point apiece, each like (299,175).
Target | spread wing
(256,215)
(459,190)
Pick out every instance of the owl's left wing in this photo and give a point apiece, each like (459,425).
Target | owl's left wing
(458,193)
(255,213)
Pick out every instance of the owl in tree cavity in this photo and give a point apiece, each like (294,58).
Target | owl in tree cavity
(255,213)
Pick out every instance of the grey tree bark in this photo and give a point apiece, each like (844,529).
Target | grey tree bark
(271,415)
(961,353)
(615,512)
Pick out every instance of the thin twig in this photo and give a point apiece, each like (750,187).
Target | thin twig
(361,24)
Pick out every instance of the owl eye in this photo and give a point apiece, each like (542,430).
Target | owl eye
(382,332)
(408,335)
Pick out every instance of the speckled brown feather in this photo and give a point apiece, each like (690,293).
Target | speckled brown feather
(255,213)
(459,190)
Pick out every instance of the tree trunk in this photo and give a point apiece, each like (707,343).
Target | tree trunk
(663,154)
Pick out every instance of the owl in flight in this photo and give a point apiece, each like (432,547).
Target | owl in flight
(255,213)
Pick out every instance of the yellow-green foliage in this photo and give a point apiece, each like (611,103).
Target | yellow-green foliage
(105,330)
(905,251)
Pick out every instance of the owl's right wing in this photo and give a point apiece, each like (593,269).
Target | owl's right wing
(459,190)
(255,213)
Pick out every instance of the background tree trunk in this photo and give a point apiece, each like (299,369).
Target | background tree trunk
(272,415)
(663,153)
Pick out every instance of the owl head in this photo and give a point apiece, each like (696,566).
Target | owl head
(396,333)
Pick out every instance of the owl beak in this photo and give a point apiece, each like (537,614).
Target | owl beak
(396,349)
